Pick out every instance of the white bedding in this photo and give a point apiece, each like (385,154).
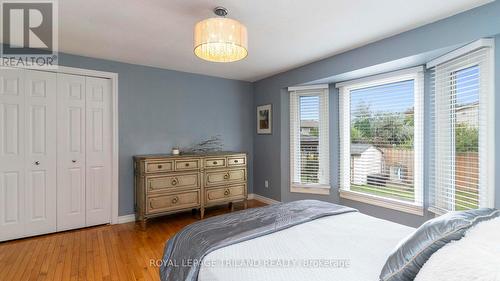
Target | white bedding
(473,258)
(363,241)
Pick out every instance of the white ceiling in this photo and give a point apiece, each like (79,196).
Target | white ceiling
(283,34)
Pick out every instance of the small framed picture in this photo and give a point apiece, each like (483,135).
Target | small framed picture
(264,121)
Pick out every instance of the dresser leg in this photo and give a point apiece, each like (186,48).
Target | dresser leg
(202,213)
(231,206)
(143,224)
(245,204)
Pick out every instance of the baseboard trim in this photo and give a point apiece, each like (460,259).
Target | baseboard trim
(262,199)
(126,218)
(131,217)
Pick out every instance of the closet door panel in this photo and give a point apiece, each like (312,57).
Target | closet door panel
(98,152)
(40,164)
(12,138)
(70,152)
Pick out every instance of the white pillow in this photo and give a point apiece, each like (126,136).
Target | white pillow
(475,257)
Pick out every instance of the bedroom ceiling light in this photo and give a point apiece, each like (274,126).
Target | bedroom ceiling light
(220,39)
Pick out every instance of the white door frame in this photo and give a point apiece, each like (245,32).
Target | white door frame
(114,115)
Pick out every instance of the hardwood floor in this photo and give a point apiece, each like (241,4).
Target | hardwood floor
(110,252)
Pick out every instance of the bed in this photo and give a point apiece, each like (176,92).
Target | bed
(364,242)
(301,240)
(316,240)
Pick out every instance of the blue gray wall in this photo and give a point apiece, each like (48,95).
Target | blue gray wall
(161,108)
(271,152)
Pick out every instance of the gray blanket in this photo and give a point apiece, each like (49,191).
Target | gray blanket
(185,251)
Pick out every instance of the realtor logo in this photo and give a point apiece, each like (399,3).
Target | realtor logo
(29,34)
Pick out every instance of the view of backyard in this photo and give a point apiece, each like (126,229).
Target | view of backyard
(393,193)
(467,201)
(382,133)
(309,139)
(382,139)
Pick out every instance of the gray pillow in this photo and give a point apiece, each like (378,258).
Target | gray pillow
(413,252)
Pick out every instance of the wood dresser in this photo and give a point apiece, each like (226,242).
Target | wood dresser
(166,184)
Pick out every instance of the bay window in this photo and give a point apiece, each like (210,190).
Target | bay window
(462,137)
(381,140)
(309,140)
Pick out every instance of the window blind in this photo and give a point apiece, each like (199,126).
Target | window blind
(460,138)
(381,137)
(309,138)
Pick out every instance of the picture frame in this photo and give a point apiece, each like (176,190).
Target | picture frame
(264,119)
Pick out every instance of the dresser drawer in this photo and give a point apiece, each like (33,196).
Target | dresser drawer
(221,194)
(173,181)
(188,164)
(215,163)
(224,177)
(158,167)
(236,161)
(170,202)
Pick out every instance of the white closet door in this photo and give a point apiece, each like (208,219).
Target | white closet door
(12,137)
(40,142)
(98,151)
(70,152)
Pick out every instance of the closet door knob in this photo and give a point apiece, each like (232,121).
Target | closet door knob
(37,163)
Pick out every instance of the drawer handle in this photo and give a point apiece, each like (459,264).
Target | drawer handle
(175,200)
(227,176)
(160,166)
(235,161)
(175,181)
(215,162)
(187,165)
(227,192)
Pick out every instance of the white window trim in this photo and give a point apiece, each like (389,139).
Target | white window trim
(310,189)
(320,189)
(490,139)
(384,202)
(308,87)
(489,102)
(416,74)
(481,43)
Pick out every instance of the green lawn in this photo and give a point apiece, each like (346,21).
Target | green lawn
(465,200)
(393,193)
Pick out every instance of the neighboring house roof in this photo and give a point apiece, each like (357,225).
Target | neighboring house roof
(359,148)
(309,124)
(468,106)
(468,114)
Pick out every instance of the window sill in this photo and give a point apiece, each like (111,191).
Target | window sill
(393,204)
(311,189)
(437,211)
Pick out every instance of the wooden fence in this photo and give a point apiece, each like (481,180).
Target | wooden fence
(466,171)
(466,166)
(393,157)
